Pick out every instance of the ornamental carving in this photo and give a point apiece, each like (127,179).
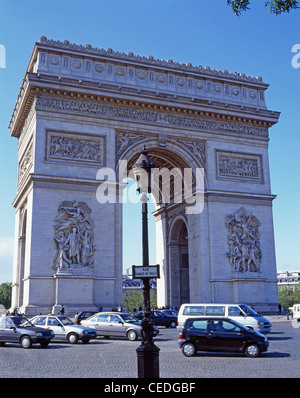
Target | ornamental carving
(124,140)
(243,240)
(197,148)
(73,237)
(75,148)
(164,118)
(243,166)
(238,167)
(26,162)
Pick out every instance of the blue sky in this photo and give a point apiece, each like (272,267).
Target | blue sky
(197,31)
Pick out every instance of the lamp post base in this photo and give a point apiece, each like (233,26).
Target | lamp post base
(148,361)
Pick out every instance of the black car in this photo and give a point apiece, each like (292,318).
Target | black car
(83,315)
(160,319)
(219,334)
(18,329)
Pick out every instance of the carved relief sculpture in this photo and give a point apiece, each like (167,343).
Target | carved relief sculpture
(238,167)
(26,162)
(70,148)
(73,237)
(245,167)
(243,239)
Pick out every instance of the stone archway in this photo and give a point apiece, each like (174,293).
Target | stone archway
(82,110)
(179,263)
(172,161)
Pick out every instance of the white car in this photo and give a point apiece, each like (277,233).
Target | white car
(64,329)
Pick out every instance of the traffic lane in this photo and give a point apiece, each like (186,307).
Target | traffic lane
(116,357)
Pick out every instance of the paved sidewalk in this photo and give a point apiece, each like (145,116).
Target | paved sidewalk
(277,318)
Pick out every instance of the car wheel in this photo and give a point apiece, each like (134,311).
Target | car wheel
(173,324)
(44,345)
(85,341)
(26,342)
(252,350)
(72,338)
(189,349)
(132,335)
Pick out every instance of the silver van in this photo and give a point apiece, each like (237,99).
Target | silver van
(240,313)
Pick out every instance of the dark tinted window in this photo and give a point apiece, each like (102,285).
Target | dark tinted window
(215,310)
(197,325)
(193,310)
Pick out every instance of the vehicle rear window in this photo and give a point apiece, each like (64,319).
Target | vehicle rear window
(193,310)
(215,310)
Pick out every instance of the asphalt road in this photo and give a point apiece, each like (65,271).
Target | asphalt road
(117,358)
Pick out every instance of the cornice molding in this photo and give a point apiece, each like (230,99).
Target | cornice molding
(117,109)
(69,70)
(87,49)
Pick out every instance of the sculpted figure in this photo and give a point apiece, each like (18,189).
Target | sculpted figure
(73,236)
(244,254)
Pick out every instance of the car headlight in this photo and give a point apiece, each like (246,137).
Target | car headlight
(38,334)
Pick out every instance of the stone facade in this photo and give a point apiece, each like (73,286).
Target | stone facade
(82,109)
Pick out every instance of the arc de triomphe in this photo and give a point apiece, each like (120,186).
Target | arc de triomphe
(83,111)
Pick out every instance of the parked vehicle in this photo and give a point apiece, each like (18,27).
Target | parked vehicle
(169,312)
(240,313)
(160,319)
(296,312)
(18,329)
(64,329)
(219,334)
(118,324)
(83,315)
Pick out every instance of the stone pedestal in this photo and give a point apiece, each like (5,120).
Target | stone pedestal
(74,289)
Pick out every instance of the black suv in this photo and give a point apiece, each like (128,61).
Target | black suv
(219,334)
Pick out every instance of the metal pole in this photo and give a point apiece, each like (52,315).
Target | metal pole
(147,353)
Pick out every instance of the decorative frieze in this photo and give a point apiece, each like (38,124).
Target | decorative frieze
(74,147)
(130,57)
(165,118)
(245,167)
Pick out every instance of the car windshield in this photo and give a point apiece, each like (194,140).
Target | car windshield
(249,311)
(128,318)
(21,321)
(65,321)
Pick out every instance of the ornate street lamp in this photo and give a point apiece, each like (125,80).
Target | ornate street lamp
(147,352)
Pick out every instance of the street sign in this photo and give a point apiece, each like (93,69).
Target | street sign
(140,272)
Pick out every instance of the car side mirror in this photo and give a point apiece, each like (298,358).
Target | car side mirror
(13,327)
